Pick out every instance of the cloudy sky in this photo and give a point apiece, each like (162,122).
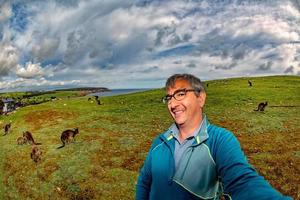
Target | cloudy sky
(139,43)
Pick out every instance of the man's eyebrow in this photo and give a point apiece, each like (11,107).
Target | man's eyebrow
(179,90)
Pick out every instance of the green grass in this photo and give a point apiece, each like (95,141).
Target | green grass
(114,138)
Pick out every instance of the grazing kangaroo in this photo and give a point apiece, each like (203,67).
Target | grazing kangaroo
(261,106)
(67,136)
(6,128)
(250,83)
(35,154)
(21,140)
(29,139)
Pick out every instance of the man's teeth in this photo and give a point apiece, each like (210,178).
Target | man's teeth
(178,112)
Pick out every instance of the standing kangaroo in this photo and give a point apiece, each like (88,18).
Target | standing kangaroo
(29,139)
(250,83)
(261,106)
(98,102)
(35,154)
(67,136)
(6,128)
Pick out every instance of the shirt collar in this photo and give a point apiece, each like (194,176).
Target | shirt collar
(200,134)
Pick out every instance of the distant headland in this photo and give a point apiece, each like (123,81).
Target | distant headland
(89,89)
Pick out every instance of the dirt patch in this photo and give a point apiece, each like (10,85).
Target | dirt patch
(116,157)
(49,168)
(236,126)
(89,138)
(133,161)
(16,174)
(273,156)
(39,119)
(73,191)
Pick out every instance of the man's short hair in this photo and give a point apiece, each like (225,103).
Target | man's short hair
(195,82)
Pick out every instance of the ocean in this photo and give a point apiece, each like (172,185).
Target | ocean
(115,92)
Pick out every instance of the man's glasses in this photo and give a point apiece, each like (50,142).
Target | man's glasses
(178,95)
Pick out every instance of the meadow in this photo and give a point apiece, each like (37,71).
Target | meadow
(104,160)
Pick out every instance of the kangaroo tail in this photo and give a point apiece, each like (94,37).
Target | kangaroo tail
(61,146)
(37,143)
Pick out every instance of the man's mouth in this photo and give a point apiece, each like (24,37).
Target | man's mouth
(177,112)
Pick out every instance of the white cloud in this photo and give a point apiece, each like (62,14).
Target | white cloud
(9,55)
(30,70)
(288,56)
(46,48)
(5,11)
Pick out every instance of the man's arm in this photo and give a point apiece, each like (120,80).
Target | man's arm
(144,180)
(240,179)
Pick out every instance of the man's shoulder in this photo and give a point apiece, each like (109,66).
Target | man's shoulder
(157,140)
(215,131)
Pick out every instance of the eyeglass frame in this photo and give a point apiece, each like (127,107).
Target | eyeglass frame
(166,99)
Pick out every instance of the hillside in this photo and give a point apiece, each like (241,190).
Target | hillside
(114,138)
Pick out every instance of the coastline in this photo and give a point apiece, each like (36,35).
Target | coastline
(115,92)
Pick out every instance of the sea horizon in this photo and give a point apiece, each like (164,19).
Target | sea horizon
(115,92)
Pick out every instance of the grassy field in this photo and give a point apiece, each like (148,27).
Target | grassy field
(114,138)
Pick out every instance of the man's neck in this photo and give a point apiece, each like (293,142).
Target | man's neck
(186,131)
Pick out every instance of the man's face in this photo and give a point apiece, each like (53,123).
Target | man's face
(188,111)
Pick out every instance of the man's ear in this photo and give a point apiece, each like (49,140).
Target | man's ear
(202,98)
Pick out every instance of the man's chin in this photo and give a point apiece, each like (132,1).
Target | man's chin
(179,122)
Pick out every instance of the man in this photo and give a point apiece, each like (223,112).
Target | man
(194,159)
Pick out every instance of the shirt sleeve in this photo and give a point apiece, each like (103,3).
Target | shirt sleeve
(239,178)
(143,186)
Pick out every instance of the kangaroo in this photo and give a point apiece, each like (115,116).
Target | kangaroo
(67,136)
(29,139)
(261,106)
(250,83)
(35,154)
(6,128)
(21,140)
(98,102)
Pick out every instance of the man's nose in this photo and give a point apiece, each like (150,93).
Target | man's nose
(172,102)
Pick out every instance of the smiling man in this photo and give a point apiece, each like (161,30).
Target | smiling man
(194,159)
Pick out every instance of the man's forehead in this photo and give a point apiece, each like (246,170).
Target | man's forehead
(178,84)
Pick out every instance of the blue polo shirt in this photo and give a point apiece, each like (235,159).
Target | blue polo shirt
(180,148)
